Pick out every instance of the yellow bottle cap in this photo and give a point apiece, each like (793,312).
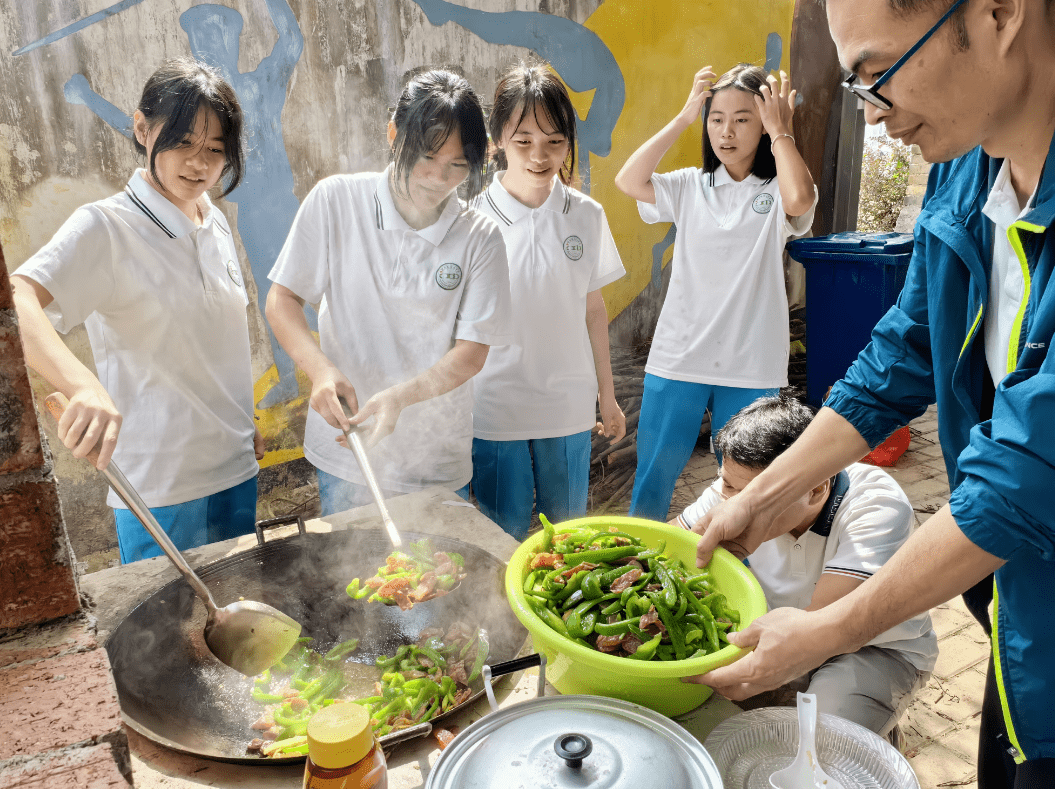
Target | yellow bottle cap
(339,735)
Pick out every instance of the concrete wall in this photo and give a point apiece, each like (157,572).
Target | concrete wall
(316,78)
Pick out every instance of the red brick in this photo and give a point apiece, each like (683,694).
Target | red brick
(36,579)
(20,447)
(93,767)
(56,703)
(62,637)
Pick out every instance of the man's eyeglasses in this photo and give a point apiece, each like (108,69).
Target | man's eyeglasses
(870,93)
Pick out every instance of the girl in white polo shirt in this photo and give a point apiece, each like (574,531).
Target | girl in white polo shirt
(536,399)
(722,337)
(153,274)
(413,288)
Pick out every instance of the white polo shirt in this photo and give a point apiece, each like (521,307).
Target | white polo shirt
(1007,285)
(866,519)
(165,309)
(393,302)
(544,384)
(725,318)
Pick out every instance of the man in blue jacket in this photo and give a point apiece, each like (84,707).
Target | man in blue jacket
(972,83)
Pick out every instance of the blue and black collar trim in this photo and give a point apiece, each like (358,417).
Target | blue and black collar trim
(149,214)
(823,524)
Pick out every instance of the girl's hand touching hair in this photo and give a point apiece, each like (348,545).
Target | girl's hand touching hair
(701,91)
(775,107)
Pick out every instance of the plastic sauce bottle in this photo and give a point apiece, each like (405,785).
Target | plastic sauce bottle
(342,751)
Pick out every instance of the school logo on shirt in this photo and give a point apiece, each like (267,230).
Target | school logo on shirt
(449,276)
(234,273)
(573,247)
(763,204)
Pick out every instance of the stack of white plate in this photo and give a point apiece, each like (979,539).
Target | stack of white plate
(750,747)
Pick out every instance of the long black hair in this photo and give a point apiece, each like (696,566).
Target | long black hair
(172,98)
(749,79)
(530,87)
(429,109)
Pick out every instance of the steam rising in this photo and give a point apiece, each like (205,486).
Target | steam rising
(175,692)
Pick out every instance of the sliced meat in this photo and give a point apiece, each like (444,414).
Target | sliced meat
(621,541)
(611,643)
(403,600)
(630,561)
(626,580)
(299,704)
(457,673)
(389,588)
(459,631)
(462,696)
(271,734)
(375,583)
(265,722)
(429,632)
(651,620)
(254,745)
(444,563)
(578,568)
(426,586)
(631,644)
(546,560)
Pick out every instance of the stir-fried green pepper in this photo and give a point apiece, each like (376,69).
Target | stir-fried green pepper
(582,605)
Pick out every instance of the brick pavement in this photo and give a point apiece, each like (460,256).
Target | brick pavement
(940,728)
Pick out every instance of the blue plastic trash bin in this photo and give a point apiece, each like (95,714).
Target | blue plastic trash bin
(852,279)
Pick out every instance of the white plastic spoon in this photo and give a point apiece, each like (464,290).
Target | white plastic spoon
(805,772)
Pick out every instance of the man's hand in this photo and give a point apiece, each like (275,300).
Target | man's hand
(786,645)
(735,526)
(91,420)
(258,444)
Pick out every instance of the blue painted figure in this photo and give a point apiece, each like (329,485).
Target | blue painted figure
(266,203)
(576,53)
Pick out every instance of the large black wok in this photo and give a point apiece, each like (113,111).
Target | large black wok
(174,692)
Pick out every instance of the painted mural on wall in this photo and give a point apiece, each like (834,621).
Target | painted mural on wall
(266,201)
(316,79)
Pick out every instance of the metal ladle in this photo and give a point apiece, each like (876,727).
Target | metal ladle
(355,443)
(246,635)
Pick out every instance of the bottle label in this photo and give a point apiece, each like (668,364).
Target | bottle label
(370,773)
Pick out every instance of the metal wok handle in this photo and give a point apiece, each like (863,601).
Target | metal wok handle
(516,664)
(56,404)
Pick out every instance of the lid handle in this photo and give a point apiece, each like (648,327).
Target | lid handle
(573,748)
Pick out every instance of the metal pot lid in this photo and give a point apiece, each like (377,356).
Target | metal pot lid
(587,742)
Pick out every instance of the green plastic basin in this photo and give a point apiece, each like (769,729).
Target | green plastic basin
(573,668)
